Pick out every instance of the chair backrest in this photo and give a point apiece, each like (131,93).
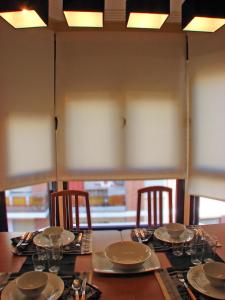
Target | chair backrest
(70,199)
(155,204)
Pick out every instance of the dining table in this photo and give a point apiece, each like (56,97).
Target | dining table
(142,286)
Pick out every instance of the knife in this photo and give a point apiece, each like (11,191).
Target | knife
(83,296)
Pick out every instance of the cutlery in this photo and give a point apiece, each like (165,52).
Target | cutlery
(182,280)
(76,288)
(84,282)
(79,238)
(26,241)
(22,239)
(142,235)
(137,234)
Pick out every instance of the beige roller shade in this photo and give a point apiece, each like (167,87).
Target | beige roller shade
(121,105)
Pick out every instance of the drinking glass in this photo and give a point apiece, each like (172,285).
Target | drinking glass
(209,249)
(38,262)
(56,244)
(177,249)
(197,250)
(42,252)
(188,248)
(54,258)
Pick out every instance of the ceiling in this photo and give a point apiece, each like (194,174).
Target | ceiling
(114,16)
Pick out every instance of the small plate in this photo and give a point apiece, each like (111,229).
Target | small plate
(55,284)
(198,281)
(42,241)
(162,234)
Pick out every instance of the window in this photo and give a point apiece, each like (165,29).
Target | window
(114,203)
(211,211)
(27,208)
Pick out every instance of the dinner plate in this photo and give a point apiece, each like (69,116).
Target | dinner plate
(54,285)
(162,234)
(42,241)
(101,264)
(197,279)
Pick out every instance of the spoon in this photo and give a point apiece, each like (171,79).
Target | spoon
(76,288)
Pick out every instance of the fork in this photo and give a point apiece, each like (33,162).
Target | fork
(180,277)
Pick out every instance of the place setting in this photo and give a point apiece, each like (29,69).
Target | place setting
(74,243)
(196,272)
(49,286)
(161,238)
(125,257)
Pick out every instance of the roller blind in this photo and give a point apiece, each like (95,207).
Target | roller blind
(27,154)
(121,105)
(207,100)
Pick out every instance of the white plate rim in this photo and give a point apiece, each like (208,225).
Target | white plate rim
(213,291)
(158,234)
(67,238)
(52,278)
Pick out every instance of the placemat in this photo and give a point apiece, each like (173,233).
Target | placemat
(84,246)
(67,265)
(184,262)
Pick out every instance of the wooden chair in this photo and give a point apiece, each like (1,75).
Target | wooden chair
(155,204)
(70,199)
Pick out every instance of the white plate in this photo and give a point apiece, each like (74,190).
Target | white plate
(54,284)
(101,264)
(162,235)
(42,241)
(198,281)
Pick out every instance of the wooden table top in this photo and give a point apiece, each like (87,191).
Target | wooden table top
(142,286)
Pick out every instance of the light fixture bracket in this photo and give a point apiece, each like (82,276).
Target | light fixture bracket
(83,5)
(147,6)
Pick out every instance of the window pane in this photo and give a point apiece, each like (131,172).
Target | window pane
(114,203)
(211,211)
(28,208)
